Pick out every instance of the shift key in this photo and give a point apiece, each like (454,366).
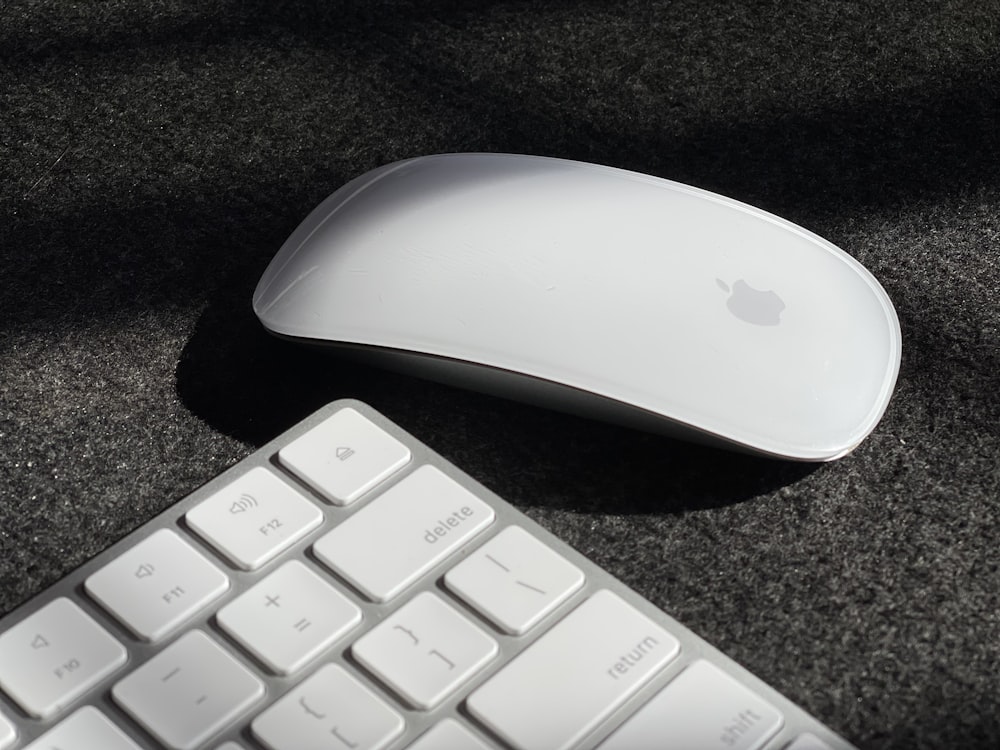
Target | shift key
(403,533)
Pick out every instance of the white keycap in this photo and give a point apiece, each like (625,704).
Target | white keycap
(331,709)
(425,650)
(574,676)
(188,692)
(344,456)
(514,580)
(702,707)
(55,655)
(87,729)
(448,734)
(403,533)
(254,518)
(8,733)
(808,741)
(230,746)
(289,617)
(157,585)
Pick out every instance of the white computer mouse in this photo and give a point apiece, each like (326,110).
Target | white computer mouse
(602,291)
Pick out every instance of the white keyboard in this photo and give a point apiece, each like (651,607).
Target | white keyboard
(346,588)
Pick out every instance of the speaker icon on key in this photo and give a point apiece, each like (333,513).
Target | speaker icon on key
(144,571)
(245,503)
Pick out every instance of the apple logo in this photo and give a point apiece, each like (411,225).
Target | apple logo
(752,305)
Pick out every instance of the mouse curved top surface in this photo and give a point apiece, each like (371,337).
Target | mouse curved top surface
(655,298)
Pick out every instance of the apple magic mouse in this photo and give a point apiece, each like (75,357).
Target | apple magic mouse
(597,290)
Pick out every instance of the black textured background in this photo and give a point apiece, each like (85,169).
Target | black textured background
(154,155)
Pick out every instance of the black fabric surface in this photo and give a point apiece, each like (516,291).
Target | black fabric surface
(153,157)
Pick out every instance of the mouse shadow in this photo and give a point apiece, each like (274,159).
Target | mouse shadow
(250,385)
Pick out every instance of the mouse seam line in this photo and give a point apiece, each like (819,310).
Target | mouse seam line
(330,215)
